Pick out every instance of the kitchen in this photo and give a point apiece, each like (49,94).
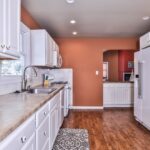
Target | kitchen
(72,44)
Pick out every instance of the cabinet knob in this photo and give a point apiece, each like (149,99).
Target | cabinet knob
(2,46)
(69,88)
(45,134)
(23,139)
(8,47)
(45,113)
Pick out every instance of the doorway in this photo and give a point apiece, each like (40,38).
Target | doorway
(118,77)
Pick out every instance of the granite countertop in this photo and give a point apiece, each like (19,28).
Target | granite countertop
(16,108)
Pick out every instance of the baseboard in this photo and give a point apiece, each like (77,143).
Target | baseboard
(118,106)
(87,107)
(142,123)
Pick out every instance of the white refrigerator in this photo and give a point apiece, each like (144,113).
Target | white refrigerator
(142,87)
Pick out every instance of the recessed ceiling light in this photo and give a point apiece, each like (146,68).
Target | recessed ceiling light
(146,18)
(74,33)
(70,1)
(72,21)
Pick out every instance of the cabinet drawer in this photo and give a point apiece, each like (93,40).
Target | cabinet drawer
(42,114)
(54,100)
(42,134)
(20,136)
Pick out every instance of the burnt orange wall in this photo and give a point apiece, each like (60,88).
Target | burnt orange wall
(124,57)
(28,20)
(112,58)
(85,56)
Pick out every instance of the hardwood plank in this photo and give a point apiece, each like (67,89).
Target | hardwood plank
(110,129)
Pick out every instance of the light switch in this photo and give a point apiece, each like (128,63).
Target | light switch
(97,72)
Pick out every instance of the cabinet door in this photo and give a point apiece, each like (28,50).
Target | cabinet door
(61,107)
(53,125)
(42,134)
(2,24)
(60,110)
(31,144)
(58,116)
(48,49)
(12,26)
(51,50)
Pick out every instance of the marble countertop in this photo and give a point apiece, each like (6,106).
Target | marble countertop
(16,108)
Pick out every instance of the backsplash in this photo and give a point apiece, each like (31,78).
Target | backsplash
(10,84)
(34,81)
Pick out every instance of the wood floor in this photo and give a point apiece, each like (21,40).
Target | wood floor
(110,129)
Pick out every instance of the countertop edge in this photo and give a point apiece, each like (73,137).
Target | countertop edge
(24,118)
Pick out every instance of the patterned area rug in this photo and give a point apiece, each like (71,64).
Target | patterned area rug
(72,139)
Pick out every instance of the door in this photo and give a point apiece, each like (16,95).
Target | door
(2,24)
(12,26)
(53,125)
(25,44)
(146,87)
(51,50)
(62,106)
(42,134)
(138,85)
(47,61)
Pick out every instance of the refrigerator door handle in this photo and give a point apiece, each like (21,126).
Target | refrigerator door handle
(140,79)
(137,76)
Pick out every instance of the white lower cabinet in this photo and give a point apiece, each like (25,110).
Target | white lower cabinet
(53,125)
(20,138)
(118,94)
(42,134)
(61,112)
(40,130)
(56,118)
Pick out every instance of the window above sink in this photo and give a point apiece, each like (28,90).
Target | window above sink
(12,67)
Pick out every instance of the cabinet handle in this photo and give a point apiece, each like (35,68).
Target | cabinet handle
(23,139)
(2,46)
(45,134)
(8,47)
(45,113)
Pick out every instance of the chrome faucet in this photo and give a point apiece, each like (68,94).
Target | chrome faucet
(24,79)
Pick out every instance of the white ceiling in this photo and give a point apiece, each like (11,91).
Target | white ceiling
(95,18)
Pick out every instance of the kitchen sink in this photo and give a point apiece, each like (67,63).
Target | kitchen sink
(41,90)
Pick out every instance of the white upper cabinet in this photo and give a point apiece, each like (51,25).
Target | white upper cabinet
(39,48)
(145,40)
(44,49)
(2,24)
(9,28)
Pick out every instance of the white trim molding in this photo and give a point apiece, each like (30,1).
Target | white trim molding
(87,107)
(118,105)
